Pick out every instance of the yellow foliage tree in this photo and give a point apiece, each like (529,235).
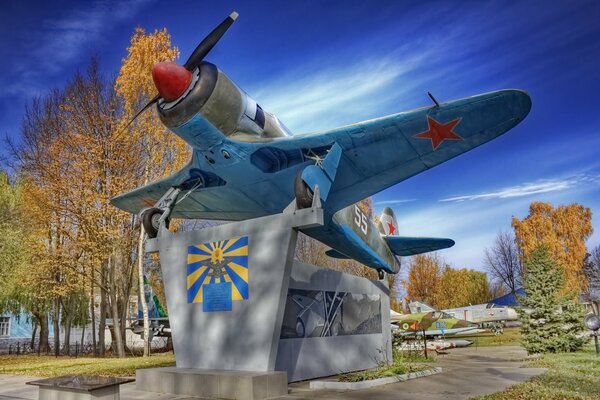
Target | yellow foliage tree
(443,286)
(563,230)
(162,151)
(423,282)
(461,287)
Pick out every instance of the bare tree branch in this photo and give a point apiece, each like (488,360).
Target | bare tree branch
(502,261)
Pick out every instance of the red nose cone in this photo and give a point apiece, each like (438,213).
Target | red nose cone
(170,79)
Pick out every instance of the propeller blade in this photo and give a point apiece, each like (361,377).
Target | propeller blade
(154,100)
(198,55)
(209,42)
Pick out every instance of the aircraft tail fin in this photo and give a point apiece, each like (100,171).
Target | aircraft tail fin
(388,225)
(155,309)
(418,307)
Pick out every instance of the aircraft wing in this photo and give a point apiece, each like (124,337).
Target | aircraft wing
(382,152)
(410,246)
(257,177)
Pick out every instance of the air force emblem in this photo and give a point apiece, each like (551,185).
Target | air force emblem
(217,273)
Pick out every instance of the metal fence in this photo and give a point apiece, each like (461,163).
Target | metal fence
(25,347)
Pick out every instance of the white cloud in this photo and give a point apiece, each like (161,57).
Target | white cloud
(393,202)
(528,189)
(336,95)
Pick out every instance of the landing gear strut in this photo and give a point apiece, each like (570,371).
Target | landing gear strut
(152,218)
(497,329)
(151,221)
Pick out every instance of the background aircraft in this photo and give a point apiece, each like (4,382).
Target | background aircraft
(435,345)
(246,164)
(486,315)
(434,323)
(159,321)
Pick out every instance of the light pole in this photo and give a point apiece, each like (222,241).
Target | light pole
(592,322)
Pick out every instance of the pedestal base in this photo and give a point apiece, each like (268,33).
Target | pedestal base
(239,385)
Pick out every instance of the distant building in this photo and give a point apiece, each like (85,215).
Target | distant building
(16,329)
(19,329)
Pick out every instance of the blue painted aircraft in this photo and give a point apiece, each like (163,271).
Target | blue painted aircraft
(246,164)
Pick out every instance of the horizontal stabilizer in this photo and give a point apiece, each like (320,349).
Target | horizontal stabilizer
(336,254)
(410,246)
(416,307)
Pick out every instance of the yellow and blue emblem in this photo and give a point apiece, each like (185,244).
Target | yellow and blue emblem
(217,273)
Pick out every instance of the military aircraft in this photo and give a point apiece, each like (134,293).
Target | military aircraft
(246,164)
(432,323)
(486,315)
(435,345)
(159,321)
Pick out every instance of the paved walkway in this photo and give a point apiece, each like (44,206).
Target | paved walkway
(467,373)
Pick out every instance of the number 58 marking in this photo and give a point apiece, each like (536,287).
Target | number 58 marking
(360,219)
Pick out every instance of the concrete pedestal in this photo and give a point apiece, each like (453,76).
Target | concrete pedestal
(239,385)
(240,309)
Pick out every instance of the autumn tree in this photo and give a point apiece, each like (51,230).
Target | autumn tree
(424,275)
(502,261)
(45,165)
(461,287)
(441,286)
(563,231)
(75,159)
(12,237)
(75,155)
(17,245)
(162,152)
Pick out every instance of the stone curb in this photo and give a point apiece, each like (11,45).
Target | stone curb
(333,384)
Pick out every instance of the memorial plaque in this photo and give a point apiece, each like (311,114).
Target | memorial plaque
(217,297)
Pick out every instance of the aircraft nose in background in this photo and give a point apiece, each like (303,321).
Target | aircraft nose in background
(511,314)
(170,79)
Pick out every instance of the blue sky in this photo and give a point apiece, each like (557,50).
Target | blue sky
(321,64)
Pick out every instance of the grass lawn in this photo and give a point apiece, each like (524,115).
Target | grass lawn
(569,376)
(402,363)
(55,366)
(510,337)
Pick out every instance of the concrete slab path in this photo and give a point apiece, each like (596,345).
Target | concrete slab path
(467,373)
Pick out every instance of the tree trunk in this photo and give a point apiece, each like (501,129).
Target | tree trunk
(102,326)
(93,316)
(82,337)
(56,326)
(116,332)
(44,345)
(142,293)
(35,327)
(67,338)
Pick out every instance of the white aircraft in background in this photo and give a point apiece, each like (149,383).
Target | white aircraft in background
(486,314)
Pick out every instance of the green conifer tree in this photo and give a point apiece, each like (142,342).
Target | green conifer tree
(552,321)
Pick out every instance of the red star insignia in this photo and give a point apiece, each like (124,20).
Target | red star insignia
(439,132)
(391,228)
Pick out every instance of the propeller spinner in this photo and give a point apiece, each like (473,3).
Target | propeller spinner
(171,79)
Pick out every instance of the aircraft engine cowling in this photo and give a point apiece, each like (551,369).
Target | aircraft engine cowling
(216,98)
